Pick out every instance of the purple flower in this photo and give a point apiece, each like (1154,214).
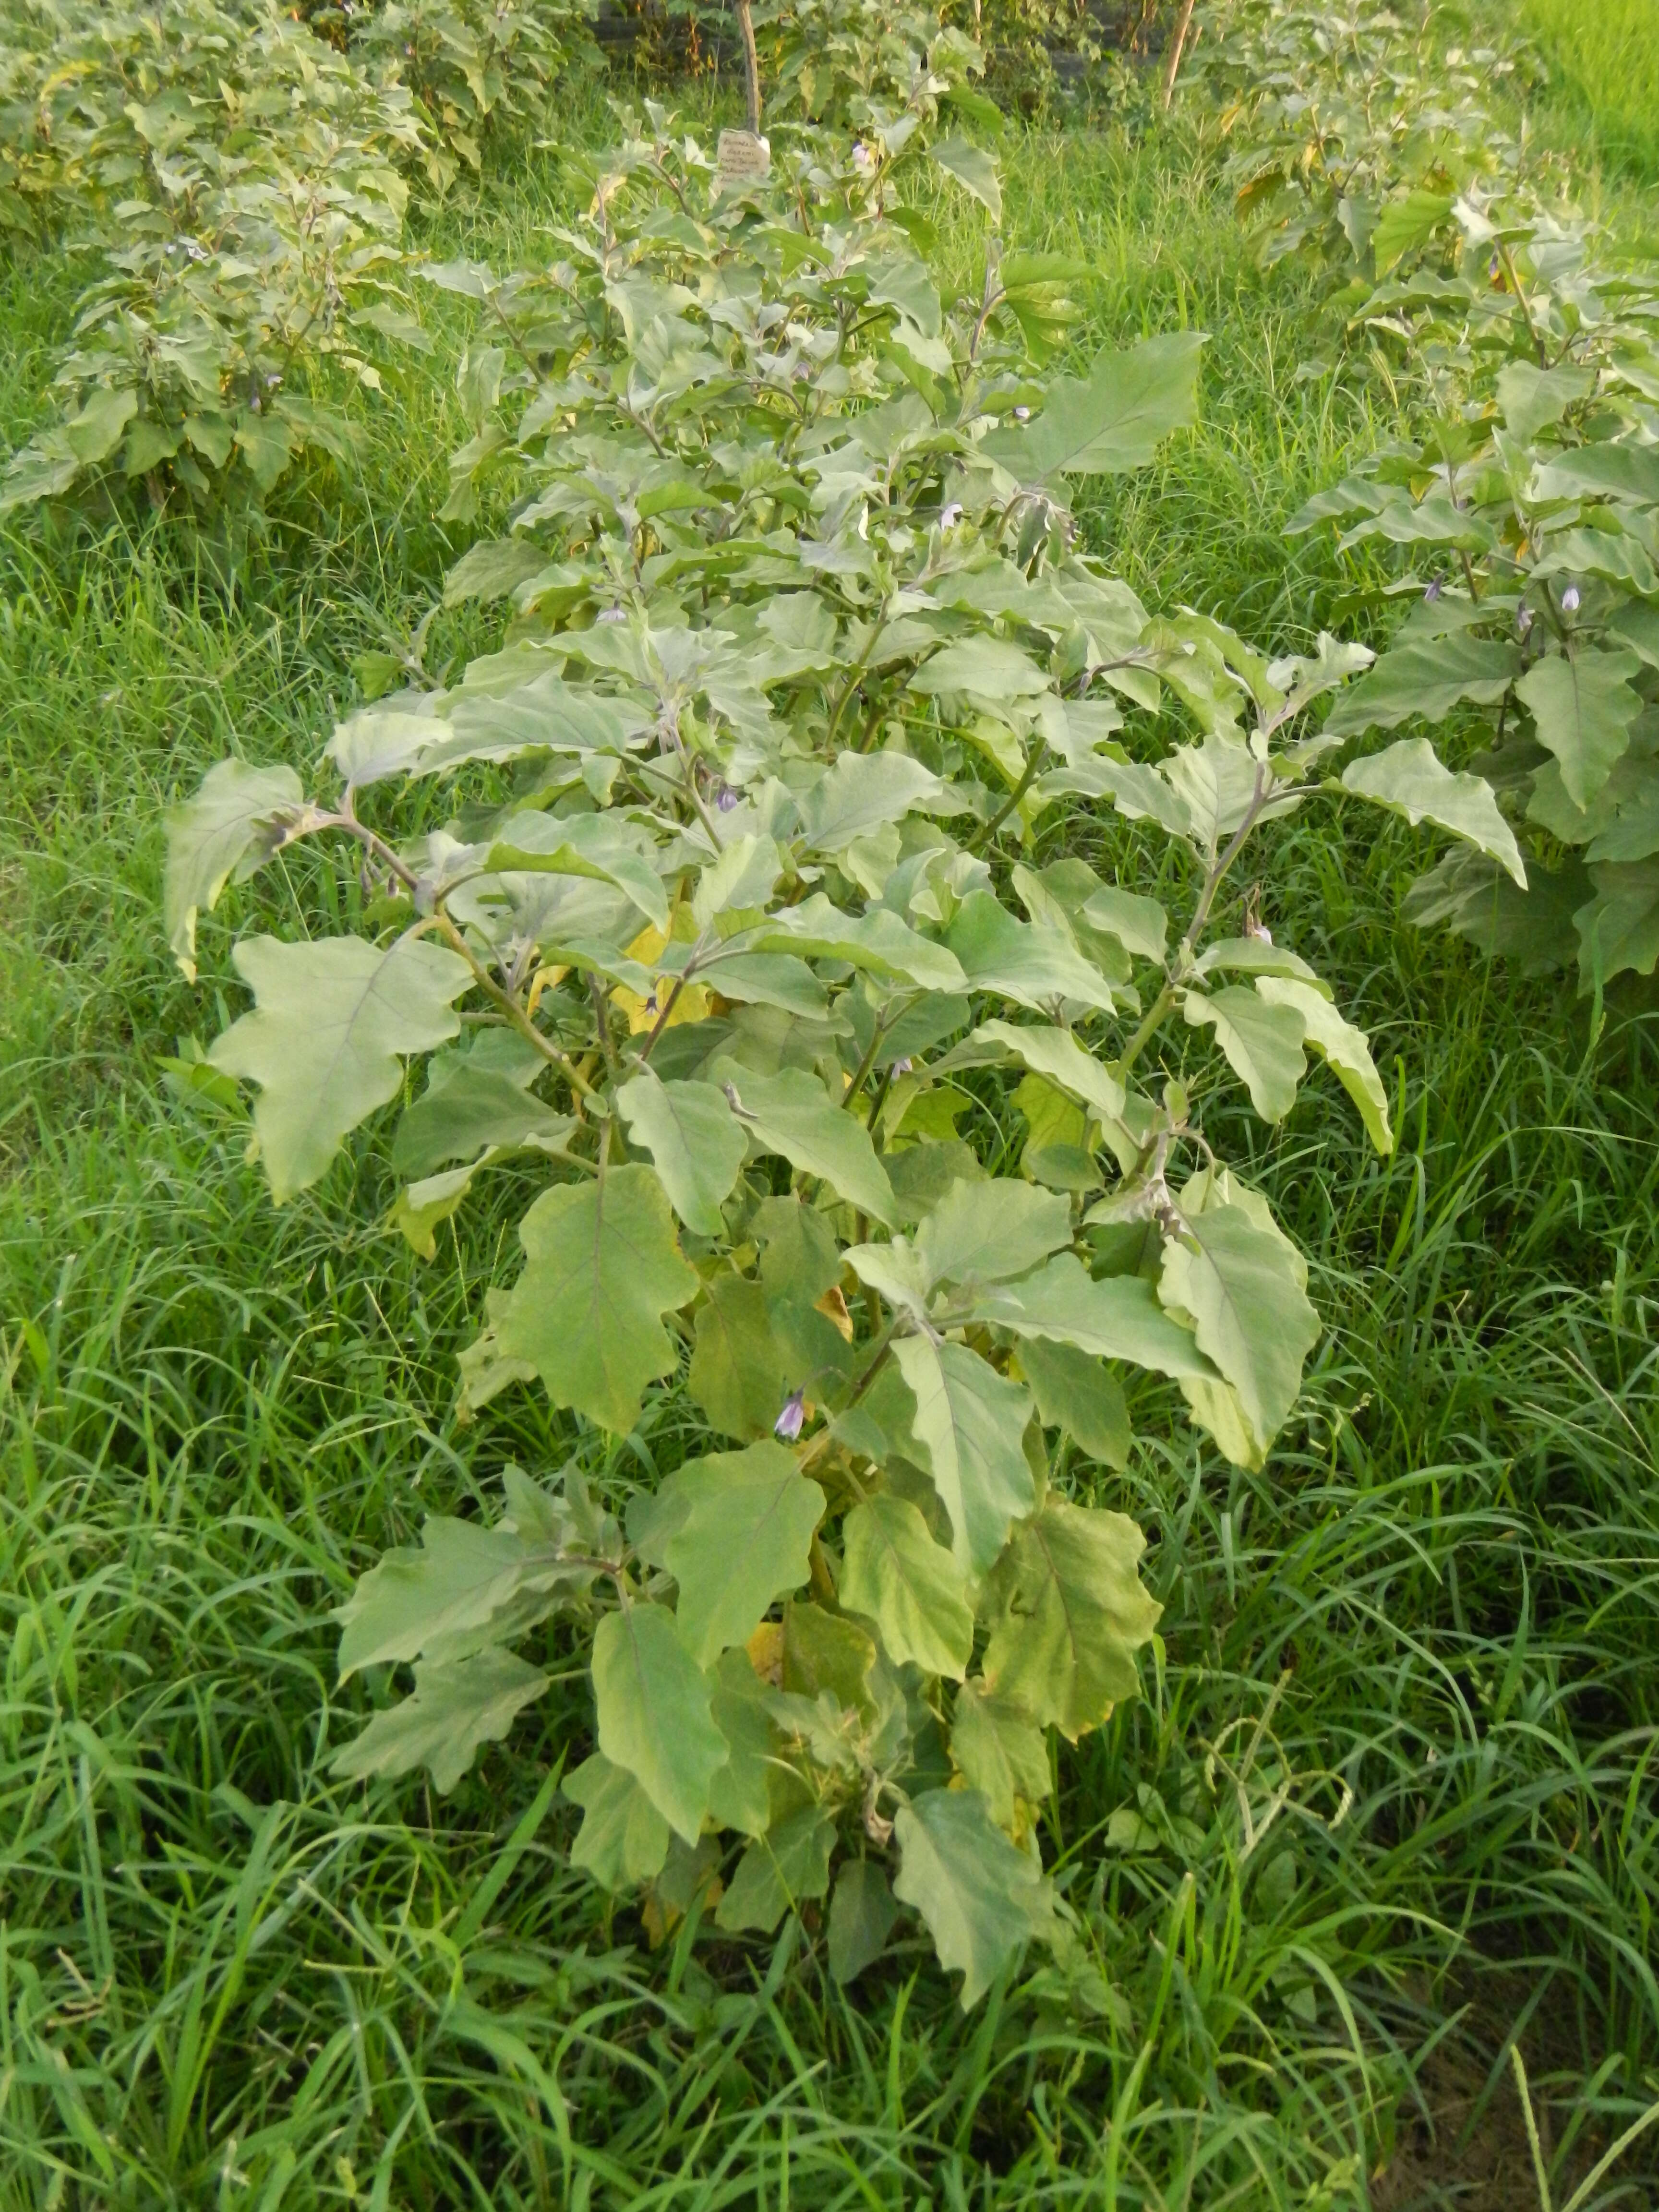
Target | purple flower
(1523,621)
(1021,414)
(1433,591)
(726,798)
(789,1422)
(1569,600)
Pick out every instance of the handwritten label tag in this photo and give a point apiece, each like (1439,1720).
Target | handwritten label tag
(742,155)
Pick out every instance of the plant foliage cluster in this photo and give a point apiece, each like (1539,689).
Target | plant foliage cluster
(1525,494)
(839,1097)
(243,183)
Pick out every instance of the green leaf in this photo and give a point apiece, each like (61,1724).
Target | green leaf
(93,434)
(623,1839)
(974,169)
(597,846)
(1017,960)
(455,1707)
(231,827)
(1140,925)
(602,1266)
(779,1872)
(1410,778)
(979,1232)
(1426,677)
(330,1019)
(987,667)
(792,1113)
(878,942)
(968,1432)
(1345,1049)
(490,570)
(463,1578)
(477,1097)
(749,1519)
(1075,1392)
(1113,420)
(1533,398)
(1057,1054)
(739,1796)
(1407,222)
(1117,1319)
(860,793)
(1243,1287)
(998,1750)
(1583,706)
(913,1589)
(738,1374)
(695,1142)
(1262,1043)
(1067,1616)
(655,1719)
(980,1895)
(861,1916)
(826,1651)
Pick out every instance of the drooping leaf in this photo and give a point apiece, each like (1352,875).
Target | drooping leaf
(330,1019)
(1244,1288)
(1583,706)
(781,1869)
(974,169)
(1411,779)
(739,1796)
(455,1708)
(1119,1318)
(1345,1049)
(861,1916)
(750,1518)
(602,1266)
(1262,1043)
(999,1750)
(476,1100)
(694,1140)
(1114,419)
(1056,1054)
(792,1113)
(1017,960)
(234,823)
(969,1425)
(738,1373)
(913,1590)
(1067,1616)
(654,1711)
(1074,1392)
(623,1839)
(980,1895)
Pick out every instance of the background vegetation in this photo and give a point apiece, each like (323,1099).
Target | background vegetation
(225,1979)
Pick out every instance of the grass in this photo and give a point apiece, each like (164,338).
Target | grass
(1605,57)
(1393,1773)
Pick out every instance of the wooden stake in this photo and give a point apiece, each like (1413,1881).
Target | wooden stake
(752,64)
(1178,42)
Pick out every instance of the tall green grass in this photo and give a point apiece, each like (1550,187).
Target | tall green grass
(1388,1803)
(1605,55)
